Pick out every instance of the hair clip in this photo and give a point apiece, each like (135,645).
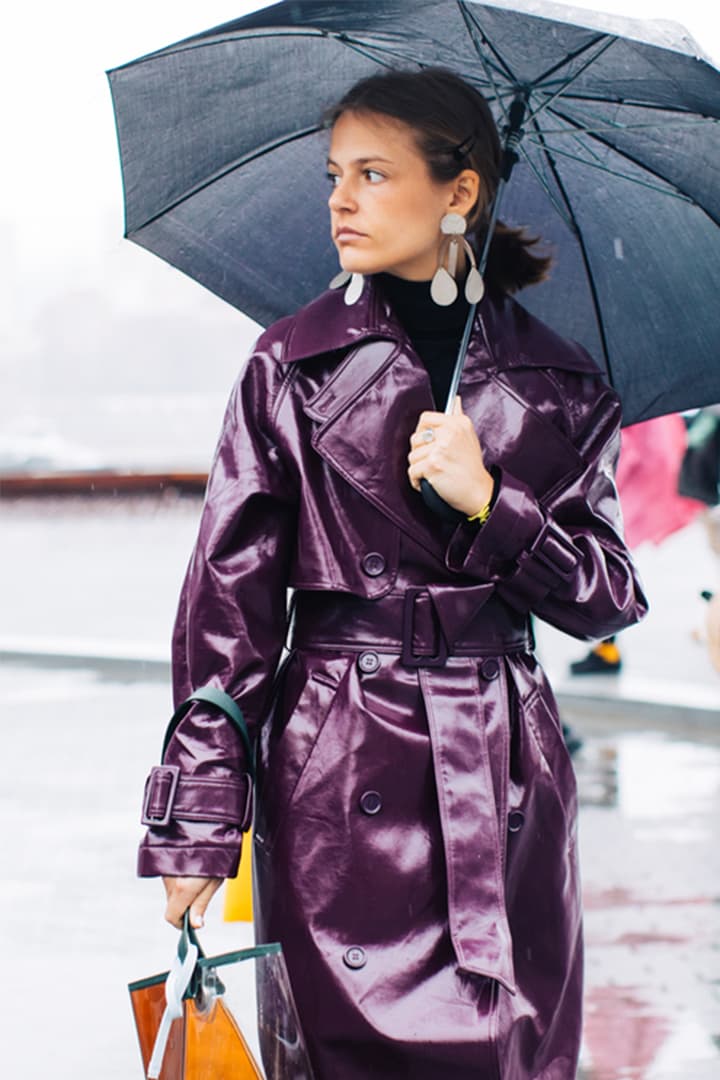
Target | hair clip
(461,151)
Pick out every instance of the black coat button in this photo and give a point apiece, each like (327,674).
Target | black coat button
(355,957)
(371,802)
(368,662)
(373,564)
(516,819)
(490,669)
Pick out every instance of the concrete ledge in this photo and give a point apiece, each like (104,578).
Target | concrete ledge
(657,702)
(661,702)
(589,712)
(125,660)
(99,482)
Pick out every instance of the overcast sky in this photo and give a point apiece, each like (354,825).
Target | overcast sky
(83,311)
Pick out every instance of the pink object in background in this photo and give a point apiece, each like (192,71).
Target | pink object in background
(647,476)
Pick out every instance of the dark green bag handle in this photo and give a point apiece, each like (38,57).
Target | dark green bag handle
(212,696)
(188,936)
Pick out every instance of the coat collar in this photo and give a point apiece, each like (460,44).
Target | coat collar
(328,324)
(504,329)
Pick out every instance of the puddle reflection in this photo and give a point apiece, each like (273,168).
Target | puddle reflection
(651,874)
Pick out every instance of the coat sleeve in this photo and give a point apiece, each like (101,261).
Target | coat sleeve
(229,633)
(561,555)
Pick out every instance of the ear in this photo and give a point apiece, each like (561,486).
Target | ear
(465,192)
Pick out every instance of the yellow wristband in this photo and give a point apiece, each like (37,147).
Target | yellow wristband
(482,515)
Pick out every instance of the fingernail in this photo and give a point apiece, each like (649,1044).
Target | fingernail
(198,921)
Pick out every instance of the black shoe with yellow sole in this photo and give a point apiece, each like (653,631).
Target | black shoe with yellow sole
(604,659)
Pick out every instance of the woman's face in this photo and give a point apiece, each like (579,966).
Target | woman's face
(385,208)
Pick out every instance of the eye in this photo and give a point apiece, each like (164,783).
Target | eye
(374,176)
(333,178)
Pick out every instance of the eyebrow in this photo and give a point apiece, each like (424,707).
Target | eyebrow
(361,161)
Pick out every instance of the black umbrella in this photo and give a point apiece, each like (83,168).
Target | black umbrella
(223,160)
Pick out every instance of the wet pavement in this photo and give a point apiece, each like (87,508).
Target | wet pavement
(651,883)
(78,738)
(77,924)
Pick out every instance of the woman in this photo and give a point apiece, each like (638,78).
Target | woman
(415,810)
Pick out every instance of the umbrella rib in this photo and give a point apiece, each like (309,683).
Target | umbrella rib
(365,50)
(583,252)
(591,150)
(604,40)
(537,87)
(560,210)
(472,24)
(220,173)
(677,192)
(621,176)
(474,28)
(610,128)
(654,106)
(369,51)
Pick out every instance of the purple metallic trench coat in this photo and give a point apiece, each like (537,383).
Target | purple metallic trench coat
(415,817)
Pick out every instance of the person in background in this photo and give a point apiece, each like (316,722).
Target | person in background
(700,479)
(651,454)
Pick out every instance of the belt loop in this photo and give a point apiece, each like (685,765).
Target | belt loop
(409,658)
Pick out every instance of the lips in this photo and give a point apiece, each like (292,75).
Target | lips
(347,234)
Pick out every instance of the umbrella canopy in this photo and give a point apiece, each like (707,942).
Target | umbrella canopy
(223,158)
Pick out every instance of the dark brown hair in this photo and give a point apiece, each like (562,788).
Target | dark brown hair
(455,130)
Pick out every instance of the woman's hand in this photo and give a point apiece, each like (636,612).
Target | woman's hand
(189,892)
(452,460)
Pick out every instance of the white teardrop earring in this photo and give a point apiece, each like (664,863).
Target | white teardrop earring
(474,284)
(443,288)
(354,289)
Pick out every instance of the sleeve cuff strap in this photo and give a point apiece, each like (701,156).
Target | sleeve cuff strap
(171,797)
(552,557)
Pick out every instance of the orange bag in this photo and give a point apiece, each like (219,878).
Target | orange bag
(187,1023)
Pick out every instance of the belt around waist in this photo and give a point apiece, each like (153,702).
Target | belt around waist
(423,630)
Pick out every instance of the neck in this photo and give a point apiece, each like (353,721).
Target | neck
(412,303)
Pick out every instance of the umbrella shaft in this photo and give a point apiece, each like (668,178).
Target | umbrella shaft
(513,135)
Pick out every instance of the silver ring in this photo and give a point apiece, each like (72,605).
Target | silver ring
(427,435)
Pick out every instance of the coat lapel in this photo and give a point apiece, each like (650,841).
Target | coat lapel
(367,409)
(520,439)
(365,415)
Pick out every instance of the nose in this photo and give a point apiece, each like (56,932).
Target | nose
(342,196)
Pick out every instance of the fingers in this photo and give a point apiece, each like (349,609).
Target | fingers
(439,423)
(189,892)
(416,473)
(446,451)
(422,460)
(428,421)
(426,454)
(420,468)
(199,907)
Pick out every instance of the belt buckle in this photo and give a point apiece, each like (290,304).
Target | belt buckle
(409,658)
(159,797)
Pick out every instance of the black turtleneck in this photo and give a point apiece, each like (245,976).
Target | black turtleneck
(434,331)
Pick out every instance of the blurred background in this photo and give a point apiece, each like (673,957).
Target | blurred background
(108,357)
